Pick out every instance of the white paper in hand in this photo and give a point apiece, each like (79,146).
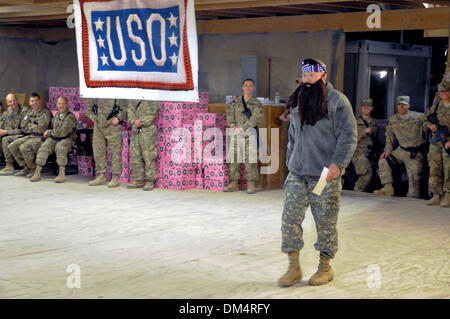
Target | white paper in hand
(321,183)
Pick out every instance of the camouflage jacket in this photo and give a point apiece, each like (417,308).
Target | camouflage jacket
(36,123)
(408,131)
(10,120)
(236,116)
(146,112)
(365,141)
(104,108)
(443,115)
(64,125)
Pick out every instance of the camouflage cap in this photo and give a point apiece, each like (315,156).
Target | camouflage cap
(367,102)
(403,99)
(444,86)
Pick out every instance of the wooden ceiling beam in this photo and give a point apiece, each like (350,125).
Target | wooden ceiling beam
(202,5)
(407,19)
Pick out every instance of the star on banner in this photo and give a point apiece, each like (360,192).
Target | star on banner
(173,40)
(174,59)
(173,20)
(101,42)
(99,24)
(104,59)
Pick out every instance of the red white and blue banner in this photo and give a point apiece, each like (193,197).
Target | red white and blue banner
(137,49)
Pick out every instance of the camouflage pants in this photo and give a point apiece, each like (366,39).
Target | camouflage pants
(297,197)
(143,152)
(24,150)
(363,169)
(111,137)
(61,149)
(242,153)
(439,162)
(413,168)
(5,144)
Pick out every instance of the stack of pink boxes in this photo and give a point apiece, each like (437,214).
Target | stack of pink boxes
(76,103)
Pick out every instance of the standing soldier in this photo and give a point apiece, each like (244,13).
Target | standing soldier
(367,130)
(10,130)
(322,134)
(34,124)
(59,139)
(406,127)
(108,115)
(437,119)
(143,146)
(243,116)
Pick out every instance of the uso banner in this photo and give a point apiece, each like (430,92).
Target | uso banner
(137,49)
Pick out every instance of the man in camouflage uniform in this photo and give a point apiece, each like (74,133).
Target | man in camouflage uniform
(107,132)
(10,130)
(406,127)
(243,115)
(367,130)
(34,124)
(439,154)
(59,139)
(144,145)
(322,133)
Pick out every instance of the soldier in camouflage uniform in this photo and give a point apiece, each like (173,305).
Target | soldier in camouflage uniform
(59,139)
(321,134)
(244,139)
(439,154)
(107,132)
(367,129)
(10,130)
(34,124)
(406,127)
(143,145)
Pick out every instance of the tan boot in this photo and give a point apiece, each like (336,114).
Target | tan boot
(324,274)
(100,180)
(8,170)
(446,201)
(61,178)
(435,200)
(23,172)
(386,190)
(251,189)
(233,187)
(136,184)
(294,273)
(149,186)
(37,174)
(114,181)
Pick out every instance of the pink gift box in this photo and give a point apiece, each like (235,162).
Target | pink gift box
(214,185)
(85,165)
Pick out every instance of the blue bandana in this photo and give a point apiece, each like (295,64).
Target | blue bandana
(314,68)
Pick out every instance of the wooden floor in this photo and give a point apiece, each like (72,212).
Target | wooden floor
(199,244)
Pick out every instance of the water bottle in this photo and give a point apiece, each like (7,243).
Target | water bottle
(277,98)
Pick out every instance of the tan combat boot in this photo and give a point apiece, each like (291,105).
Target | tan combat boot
(386,190)
(8,170)
(23,172)
(324,273)
(37,174)
(435,200)
(100,180)
(233,187)
(294,273)
(136,184)
(114,181)
(149,186)
(251,189)
(61,178)
(446,201)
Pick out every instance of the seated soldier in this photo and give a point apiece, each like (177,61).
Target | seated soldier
(58,139)
(33,125)
(10,130)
